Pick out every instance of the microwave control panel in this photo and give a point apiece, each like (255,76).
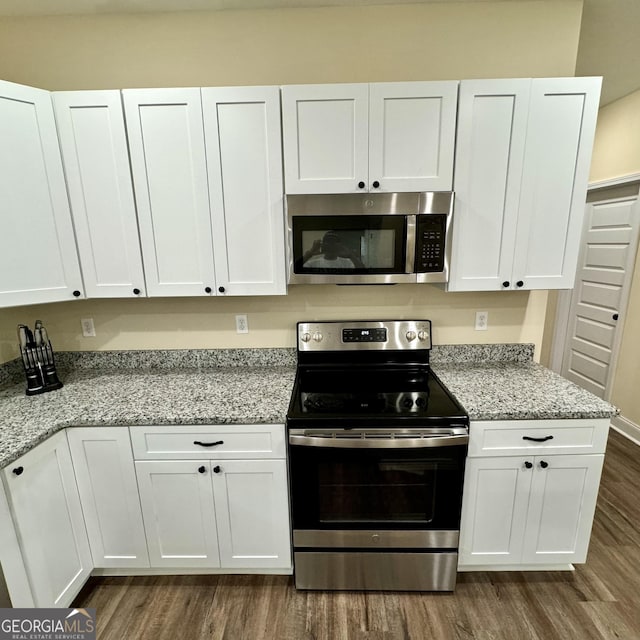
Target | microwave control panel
(430,243)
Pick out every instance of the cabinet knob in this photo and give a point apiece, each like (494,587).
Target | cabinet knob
(18,471)
(544,464)
(520,283)
(76,294)
(136,292)
(217,469)
(528,464)
(207,289)
(615,316)
(376,184)
(506,283)
(361,185)
(221,289)
(202,469)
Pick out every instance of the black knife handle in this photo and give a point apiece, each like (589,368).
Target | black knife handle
(208,444)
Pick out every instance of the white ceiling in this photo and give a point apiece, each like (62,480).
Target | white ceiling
(608,39)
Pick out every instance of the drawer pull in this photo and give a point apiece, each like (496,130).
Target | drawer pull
(537,439)
(208,444)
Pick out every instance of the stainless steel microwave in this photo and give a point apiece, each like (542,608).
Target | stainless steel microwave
(373,238)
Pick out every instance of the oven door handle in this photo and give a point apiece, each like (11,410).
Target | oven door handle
(379,443)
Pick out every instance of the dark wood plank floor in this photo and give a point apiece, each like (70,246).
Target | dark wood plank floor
(601,599)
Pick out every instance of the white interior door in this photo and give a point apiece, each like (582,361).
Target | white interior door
(599,299)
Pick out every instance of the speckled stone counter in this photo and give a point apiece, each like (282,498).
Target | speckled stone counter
(247,388)
(253,386)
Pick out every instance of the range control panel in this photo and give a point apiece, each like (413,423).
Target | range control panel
(430,243)
(399,335)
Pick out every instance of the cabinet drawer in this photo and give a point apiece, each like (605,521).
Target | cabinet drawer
(202,442)
(518,437)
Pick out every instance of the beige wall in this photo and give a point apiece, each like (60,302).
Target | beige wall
(616,153)
(616,149)
(181,323)
(378,43)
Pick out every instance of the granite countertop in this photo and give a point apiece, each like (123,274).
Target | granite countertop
(253,386)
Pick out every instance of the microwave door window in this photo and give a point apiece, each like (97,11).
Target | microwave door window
(349,250)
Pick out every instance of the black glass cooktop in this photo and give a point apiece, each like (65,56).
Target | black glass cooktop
(375,396)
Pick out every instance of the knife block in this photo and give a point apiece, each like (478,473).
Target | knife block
(40,368)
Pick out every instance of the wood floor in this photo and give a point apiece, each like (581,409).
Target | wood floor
(601,599)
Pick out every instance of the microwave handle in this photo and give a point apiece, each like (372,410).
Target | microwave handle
(409,266)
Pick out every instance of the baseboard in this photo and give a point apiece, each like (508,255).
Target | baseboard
(627,428)
(515,567)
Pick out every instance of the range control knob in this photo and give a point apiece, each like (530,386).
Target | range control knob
(422,335)
(407,403)
(411,336)
(305,337)
(317,336)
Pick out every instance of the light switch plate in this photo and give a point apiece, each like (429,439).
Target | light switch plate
(482,320)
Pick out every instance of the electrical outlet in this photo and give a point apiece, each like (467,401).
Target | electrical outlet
(482,320)
(88,329)
(242,324)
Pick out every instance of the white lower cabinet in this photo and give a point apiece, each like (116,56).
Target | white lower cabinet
(106,478)
(216,511)
(536,509)
(48,521)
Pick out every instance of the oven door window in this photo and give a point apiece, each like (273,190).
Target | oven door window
(349,244)
(347,489)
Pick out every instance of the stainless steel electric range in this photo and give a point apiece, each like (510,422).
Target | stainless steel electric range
(377,447)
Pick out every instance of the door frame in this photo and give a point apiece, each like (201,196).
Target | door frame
(563,308)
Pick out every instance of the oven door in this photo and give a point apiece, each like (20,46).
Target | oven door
(357,482)
(351,249)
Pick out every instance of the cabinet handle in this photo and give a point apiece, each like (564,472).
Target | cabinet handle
(202,469)
(506,283)
(615,316)
(528,464)
(207,289)
(221,289)
(361,185)
(520,283)
(208,444)
(76,294)
(376,184)
(136,292)
(18,471)
(544,464)
(217,469)
(537,439)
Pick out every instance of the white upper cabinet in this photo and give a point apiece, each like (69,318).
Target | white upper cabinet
(38,258)
(96,159)
(169,167)
(412,128)
(358,137)
(522,163)
(325,137)
(562,122)
(492,123)
(243,141)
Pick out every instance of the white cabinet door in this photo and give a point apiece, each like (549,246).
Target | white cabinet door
(166,142)
(106,479)
(561,508)
(562,121)
(178,510)
(492,126)
(96,160)
(38,259)
(325,129)
(243,140)
(412,128)
(494,510)
(252,511)
(49,523)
